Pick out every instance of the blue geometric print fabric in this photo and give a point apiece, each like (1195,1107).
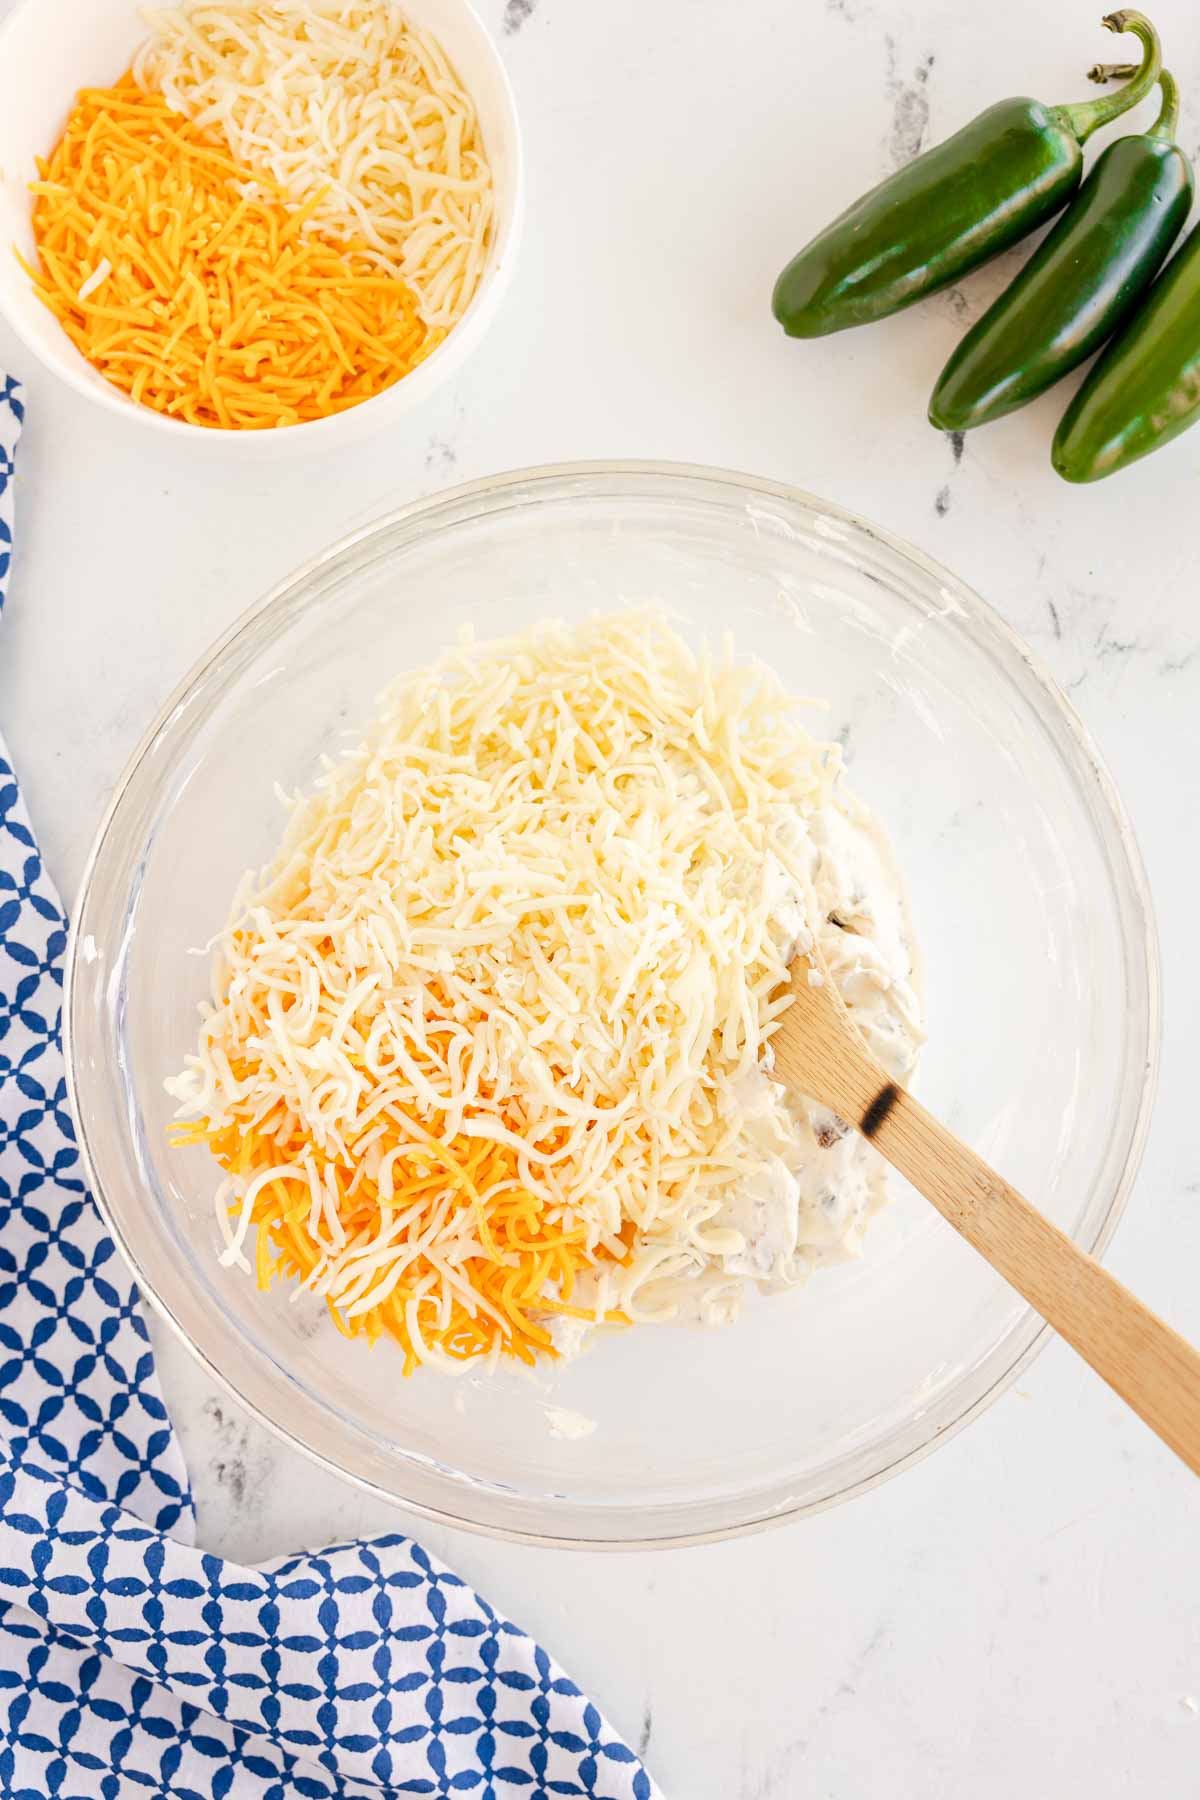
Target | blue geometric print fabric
(132,1664)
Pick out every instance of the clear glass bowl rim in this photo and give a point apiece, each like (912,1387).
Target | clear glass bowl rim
(647,1527)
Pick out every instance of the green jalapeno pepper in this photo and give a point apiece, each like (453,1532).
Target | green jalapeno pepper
(953,207)
(1145,387)
(1082,282)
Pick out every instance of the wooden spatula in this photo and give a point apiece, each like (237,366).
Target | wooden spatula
(820,1053)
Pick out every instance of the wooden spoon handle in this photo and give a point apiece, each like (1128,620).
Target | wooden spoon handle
(1148,1364)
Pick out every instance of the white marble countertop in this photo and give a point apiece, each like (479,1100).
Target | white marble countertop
(1020,1612)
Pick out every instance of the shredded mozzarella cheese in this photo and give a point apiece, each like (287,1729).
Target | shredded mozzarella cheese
(476,1052)
(345,104)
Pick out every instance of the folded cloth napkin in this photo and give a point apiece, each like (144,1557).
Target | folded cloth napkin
(132,1663)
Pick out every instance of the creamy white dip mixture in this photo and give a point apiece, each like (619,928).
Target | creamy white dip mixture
(818,1183)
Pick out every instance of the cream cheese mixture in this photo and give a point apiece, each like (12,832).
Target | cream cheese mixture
(818,1183)
(487,1062)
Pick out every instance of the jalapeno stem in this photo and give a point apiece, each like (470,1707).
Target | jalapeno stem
(1090,115)
(1167,123)
(1168,113)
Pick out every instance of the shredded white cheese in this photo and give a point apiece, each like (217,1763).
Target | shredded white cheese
(539,907)
(97,278)
(346,100)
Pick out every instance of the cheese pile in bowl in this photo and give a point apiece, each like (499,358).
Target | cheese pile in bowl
(487,1061)
(275,214)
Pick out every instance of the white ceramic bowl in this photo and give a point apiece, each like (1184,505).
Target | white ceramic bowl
(1028,898)
(51,48)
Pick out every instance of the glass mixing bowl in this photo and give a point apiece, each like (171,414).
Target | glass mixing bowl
(1041,986)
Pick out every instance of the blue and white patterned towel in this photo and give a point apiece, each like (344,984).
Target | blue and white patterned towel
(132,1664)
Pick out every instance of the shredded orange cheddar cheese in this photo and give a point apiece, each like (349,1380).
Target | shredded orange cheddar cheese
(200,299)
(524,1269)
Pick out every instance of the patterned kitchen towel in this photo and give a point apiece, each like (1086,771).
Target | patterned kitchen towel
(130,1662)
